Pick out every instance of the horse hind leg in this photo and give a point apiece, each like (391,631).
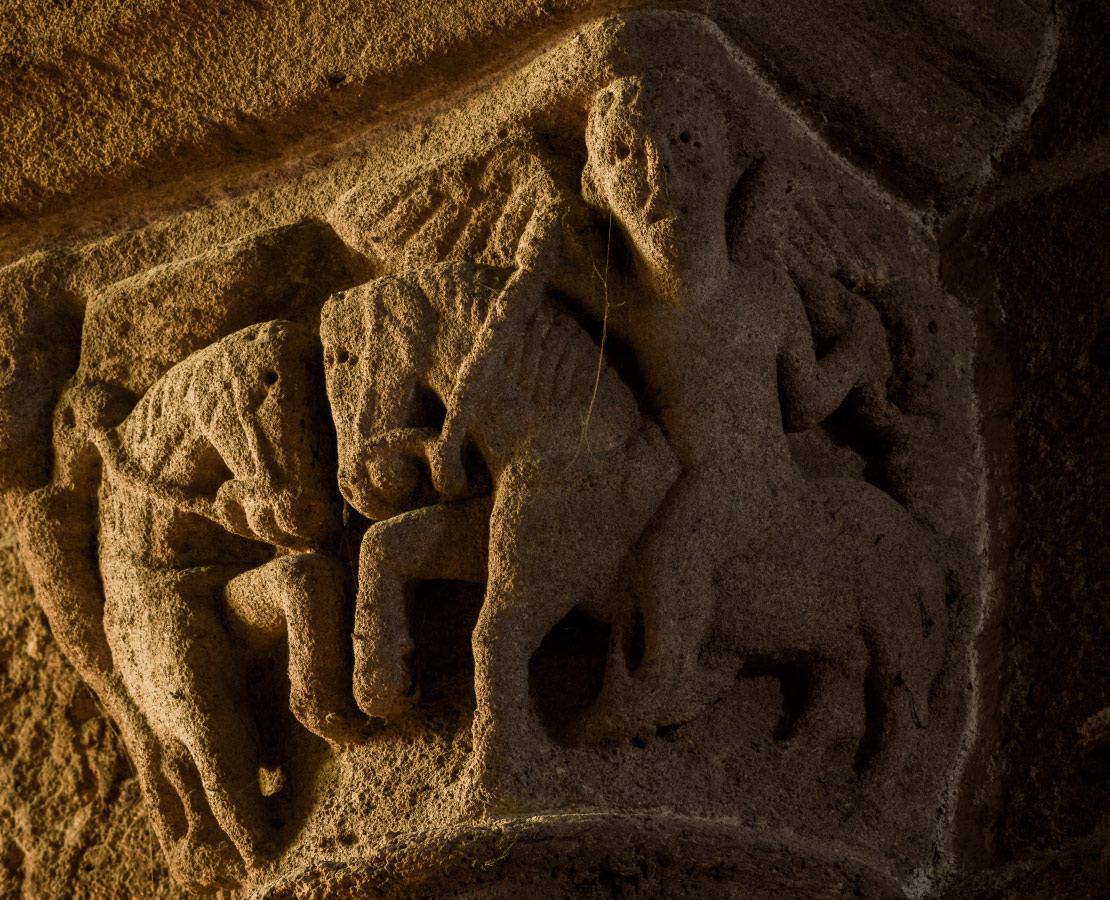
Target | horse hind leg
(906,629)
(200,854)
(837,727)
(180,655)
(197,850)
(898,693)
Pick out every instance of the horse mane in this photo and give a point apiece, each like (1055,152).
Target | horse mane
(173,410)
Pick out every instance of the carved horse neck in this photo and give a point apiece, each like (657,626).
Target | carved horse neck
(464,311)
(481,313)
(179,427)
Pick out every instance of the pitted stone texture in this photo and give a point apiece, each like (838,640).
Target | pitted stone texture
(926,90)
(600,856)
(599,441)
(72,821)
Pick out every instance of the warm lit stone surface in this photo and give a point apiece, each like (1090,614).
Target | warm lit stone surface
(118,108)
(522,450)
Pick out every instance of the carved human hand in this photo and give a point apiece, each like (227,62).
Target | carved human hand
(866,342)
(819,311)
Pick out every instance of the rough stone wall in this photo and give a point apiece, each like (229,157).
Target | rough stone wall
(1028,251)
(113,103)
(199,145)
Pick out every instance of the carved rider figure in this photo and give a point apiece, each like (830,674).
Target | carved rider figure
(728,356)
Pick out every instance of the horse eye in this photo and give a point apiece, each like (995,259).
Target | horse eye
(620,150)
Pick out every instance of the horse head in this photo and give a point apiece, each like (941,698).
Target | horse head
(377,341)
(262,411)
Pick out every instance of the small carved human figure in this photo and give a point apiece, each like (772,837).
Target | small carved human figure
(576,473)
(218,464)
(832,573)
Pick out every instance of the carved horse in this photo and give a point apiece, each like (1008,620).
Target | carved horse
(220,462)
(576,473)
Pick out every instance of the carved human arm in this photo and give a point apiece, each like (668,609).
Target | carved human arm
(813,385)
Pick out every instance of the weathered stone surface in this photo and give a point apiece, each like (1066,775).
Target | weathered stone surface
(72,822)
(524,450)
(109,104)
(592,856)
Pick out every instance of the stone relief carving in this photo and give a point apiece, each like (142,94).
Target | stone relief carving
(645,384)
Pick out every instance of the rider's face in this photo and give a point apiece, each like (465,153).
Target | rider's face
(660,162)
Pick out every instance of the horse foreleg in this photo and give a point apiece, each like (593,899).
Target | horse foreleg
(303,595)
(446,541)
(559,534)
